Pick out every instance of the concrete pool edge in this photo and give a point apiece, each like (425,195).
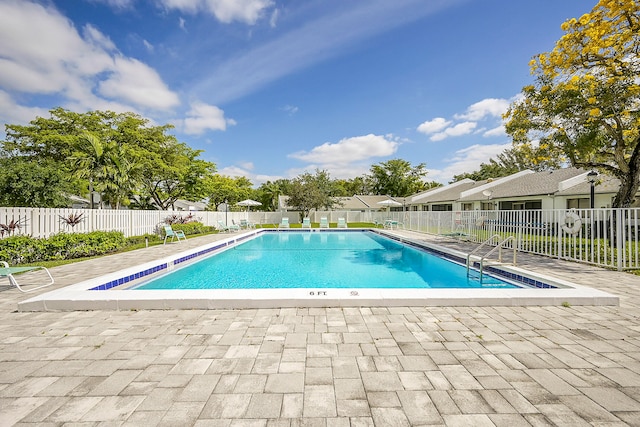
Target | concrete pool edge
(80,297)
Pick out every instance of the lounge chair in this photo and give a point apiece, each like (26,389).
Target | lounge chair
(244,223)
(390,224)
(323,222)
(306,223)
(174,234)
(8,272)
(457,234)
(223,228)
(342,223)
(284,223)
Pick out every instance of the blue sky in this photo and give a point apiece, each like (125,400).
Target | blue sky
(270,89)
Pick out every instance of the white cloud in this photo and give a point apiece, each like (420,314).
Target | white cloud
(118,4)
(246,170)
(433,126)
(350,150)
(133,81)
(291,109)
(92,34)
(203,117)
(496,131)
(460,129)
(182,24)
(273,21)
(348,158)
(11,112)
(489,111)
(44,54)
(148,46)
(466,160)
(248,11)
(492,107)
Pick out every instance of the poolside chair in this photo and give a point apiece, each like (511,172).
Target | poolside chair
(457,234)
(223,228)
(284,223)
(306,223)
(323,222)
(8,272)
(244,223)
(342,223)
(174,234)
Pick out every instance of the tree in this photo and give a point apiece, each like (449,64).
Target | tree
(585,98)
(92,160)
(309,191)
(397,178)
(124,156)
(268,194)
(225,189)
(122,179)
(30,183)
(353,186)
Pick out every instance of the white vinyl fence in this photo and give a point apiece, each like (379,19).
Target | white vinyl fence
(604,237)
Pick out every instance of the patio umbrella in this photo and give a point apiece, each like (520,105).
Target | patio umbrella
(248,203)
(389,202)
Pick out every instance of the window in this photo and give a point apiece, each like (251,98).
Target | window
(447,207)
(467,206)
(521,205)
(578,203)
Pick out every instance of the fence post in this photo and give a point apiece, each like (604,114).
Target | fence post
(559,235)
(619,241)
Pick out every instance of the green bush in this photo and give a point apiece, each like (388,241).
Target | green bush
(25,249)
(193,228)
(137,240)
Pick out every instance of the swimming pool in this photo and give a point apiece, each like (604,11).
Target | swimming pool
(340,259)
(112,291)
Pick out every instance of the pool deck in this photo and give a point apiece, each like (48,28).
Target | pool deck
(366,366)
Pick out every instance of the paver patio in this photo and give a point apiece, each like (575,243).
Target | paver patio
(374,366)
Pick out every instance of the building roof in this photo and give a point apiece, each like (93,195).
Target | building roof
(447,193)
(372,201)
(604,185)
(527,184)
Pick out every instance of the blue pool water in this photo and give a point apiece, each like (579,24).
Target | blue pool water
(322,260)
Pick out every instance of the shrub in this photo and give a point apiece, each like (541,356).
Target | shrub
(136,240)
(25,249)
(193,228)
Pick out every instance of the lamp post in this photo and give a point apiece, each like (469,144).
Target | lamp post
(591,177)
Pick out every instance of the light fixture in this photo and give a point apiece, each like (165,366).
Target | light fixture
(591,177)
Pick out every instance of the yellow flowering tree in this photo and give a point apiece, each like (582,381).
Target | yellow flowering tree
(585,101)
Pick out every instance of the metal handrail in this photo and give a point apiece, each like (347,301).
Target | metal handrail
(483,244)
(499,247)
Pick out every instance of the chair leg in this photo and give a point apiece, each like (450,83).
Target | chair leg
(13,281)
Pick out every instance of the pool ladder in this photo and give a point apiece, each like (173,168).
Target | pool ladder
(499,245)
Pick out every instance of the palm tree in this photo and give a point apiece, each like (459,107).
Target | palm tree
(121,179)
(92,160)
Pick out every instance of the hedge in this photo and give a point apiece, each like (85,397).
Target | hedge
(26,249)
